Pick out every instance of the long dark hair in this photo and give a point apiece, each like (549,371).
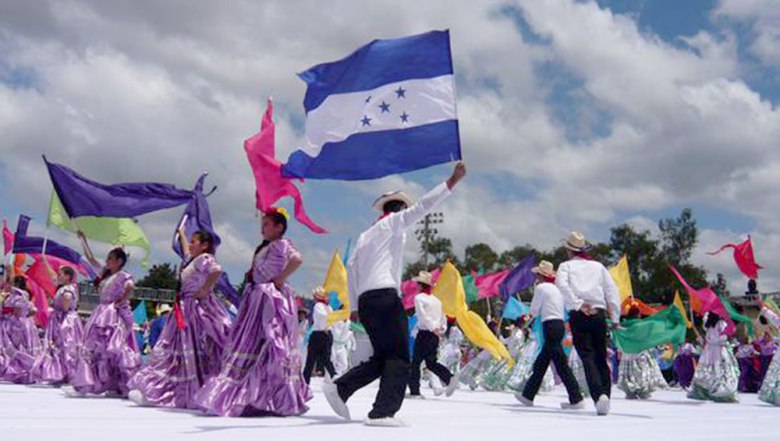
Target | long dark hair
(20,283)
(116,253)
(278,219)
(206,237)
(712,320)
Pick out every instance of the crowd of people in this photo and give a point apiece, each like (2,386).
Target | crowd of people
(261,361)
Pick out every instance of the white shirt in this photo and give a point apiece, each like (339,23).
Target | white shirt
(320,316)
(429,314)
(547,303)
(377,260)
(587,281)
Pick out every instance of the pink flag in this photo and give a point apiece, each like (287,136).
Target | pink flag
(8,239)
(743,256)
(709,301)
(488,285)
(271,185)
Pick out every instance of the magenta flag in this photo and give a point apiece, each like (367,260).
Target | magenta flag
(710,302)
(489,285)
(271,185)
(8,239)
(743,257)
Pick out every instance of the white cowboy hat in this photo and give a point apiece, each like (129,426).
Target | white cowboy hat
(163,308)
(544,268)
(319,293)
(576,242)
(424,277)
(379,204)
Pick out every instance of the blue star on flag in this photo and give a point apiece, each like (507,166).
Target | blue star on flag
(366,121)
(400,92)
(405,117)
(385,107)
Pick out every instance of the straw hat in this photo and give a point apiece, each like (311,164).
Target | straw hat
(319,293)
(576,242)
(544,268)
(162,308)
(379,204)
(424,277)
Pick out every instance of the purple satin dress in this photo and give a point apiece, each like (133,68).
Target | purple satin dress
(109,355)
(685,365)
(61,343)
(20,345)
(261,370)
(183,359)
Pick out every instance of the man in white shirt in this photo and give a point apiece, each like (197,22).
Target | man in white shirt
(431,323)
(591,295)
(374,278)
(320,340)
(547,306)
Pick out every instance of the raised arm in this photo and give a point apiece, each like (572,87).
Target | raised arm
(49,270)
(408,217)
(87,250)
(185,244)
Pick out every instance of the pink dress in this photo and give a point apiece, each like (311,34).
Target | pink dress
(184,359)
(64,334)
(19,341)
(261,367)
(109,355)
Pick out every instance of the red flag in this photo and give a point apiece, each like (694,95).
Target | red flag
(271,185)
(708,300)
(743,257)
(488,285)
(8,239)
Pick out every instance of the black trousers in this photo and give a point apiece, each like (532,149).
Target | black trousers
(589,333)
(318,353)
(553,331)
(382,314)
(426,347)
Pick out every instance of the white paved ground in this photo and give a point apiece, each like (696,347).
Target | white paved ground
(35,413)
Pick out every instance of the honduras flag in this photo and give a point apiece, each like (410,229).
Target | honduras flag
(388,108)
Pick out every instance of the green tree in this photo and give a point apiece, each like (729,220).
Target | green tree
(160,276)
(480,257)
(679,237)
(510,258)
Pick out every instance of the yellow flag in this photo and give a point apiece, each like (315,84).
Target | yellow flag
(622,278)
(679,305)
(336,281)
(449,290)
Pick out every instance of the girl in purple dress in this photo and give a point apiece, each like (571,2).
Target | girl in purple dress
(685,365)
(19,341)
(64,332)
(261,370)
(109,355)
(189,349)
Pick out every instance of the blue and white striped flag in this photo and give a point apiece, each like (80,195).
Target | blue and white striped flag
(388,108)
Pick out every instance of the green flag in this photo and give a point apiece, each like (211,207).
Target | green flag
(116,231)
(471,289)
(667,326)
(737,317)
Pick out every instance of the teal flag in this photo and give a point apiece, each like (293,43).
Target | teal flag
(514,309)
(667,326)
(737,317)
(139,313)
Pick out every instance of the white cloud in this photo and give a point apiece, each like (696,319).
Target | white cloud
(764,15)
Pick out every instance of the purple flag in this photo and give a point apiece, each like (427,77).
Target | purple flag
(196,217)
(24,244)
(519,279)
(83,197)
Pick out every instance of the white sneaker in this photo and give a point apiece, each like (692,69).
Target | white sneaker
(579,405)
(137,397)
(71,392)
(334,400)
(453,386)
(384,422)
(438,391)
(602,405)
(521,398)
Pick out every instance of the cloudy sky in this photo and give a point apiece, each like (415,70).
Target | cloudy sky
(573,115)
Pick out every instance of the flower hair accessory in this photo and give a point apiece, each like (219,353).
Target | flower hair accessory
(279,210)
